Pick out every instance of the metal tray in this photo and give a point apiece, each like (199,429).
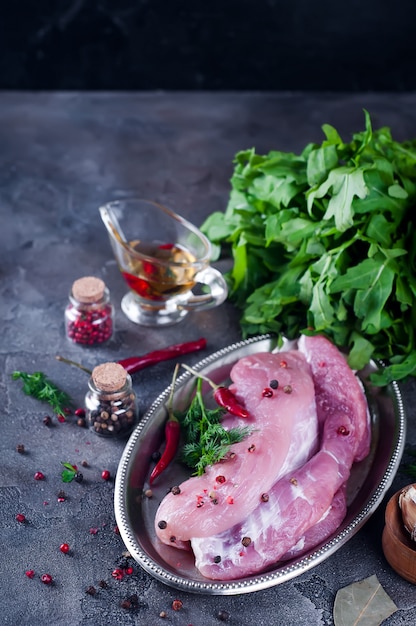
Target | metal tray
(135,513)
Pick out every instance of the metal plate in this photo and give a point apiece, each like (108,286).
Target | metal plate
(135,513)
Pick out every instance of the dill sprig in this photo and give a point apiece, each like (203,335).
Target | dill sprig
(206,441)
(40,387)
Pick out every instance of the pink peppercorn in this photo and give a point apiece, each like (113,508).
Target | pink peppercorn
(89,314)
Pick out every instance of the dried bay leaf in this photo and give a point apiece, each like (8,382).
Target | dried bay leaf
(364,603)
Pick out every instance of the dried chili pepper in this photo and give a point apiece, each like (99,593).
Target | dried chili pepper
(223,395)
(135,363)
(172,436)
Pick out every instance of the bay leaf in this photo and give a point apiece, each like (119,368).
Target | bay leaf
(363,603)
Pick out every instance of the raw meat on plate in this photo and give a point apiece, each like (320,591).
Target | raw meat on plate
(299,503)
(283,437)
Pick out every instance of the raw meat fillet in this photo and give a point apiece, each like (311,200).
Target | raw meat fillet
(327,525)
(299,501)
(283,437)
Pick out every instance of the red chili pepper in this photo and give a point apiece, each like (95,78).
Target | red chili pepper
(223,395)
(225,398)
(136,363)
(172,436)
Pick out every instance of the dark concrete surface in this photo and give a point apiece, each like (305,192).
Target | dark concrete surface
(61,156)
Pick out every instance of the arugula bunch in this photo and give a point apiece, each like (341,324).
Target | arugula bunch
(206,441)
(324,242)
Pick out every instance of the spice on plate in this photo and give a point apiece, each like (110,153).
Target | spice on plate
(223,396)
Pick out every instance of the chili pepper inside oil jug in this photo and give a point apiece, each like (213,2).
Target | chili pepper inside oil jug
(89,313)
(111,403)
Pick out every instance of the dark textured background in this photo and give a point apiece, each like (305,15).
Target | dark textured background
(61,156)
(222,44)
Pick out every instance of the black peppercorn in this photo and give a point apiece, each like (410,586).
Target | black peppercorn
(274,384)
(217,559)
(162,524)
(223,615)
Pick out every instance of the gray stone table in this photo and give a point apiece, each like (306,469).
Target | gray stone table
(61,156)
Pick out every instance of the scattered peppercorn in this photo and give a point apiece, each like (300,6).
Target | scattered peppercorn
(287,388)
(61,418)
(39,476)
(162,524)
(163,614)
(103,584)
(116,530)
(81,422)
(342,430)
(283,364)
(20,518)
(47,420)
(223,616)
(251,448)
(246,541)
(267,392)
(20,448)
(91,590)
(177,605)
(46,579)
(79,477)
(125,604)
(117,573)
(105,475)
(172,539)
(274,383)
(148,493)
(264,497)
(30,573)
(220,479)
(84,463)
(64,548)
(217,559)
(175,490)
(156,456)
(79,412)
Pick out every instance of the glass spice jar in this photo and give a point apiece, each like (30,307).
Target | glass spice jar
(89,313)
(110,402)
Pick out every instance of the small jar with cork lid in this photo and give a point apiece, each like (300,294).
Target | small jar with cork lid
(110,402)
(89,313)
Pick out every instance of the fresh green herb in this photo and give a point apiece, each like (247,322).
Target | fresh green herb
(324,242)
(206,441)
(69,473)
(38,386)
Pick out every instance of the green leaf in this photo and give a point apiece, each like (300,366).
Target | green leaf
(344,183)
(67,476)
(363,603)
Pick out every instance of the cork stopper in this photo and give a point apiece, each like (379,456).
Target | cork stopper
(109,376)
(88,289)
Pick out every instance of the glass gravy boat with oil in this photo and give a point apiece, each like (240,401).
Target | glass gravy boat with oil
(162,258)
